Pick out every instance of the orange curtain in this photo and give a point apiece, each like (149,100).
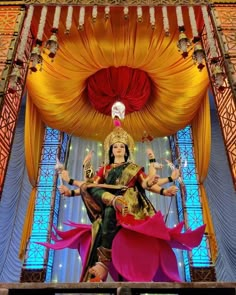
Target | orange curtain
(201,127)
(33,145)
(59,91)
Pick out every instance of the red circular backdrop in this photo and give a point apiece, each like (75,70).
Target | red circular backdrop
(130,86)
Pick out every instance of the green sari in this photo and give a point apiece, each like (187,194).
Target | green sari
(103,217)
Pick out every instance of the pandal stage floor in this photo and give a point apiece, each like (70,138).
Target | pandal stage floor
(120,288)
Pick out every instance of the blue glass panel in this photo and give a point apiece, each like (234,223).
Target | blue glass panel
(192,200)
(47,176)
(52,136)
(43,200)
(49,155)
(188,175)
(48,274)
(186,266)
(35,255)
(184,135)
(180,206)
(39,257)
(195,218)
(201,255)
(192,197)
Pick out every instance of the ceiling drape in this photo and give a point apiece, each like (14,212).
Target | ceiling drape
(130,86)
(59,92)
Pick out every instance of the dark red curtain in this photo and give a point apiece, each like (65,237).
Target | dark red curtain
(130,86)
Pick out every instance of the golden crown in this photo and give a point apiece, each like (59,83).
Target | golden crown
(119,135)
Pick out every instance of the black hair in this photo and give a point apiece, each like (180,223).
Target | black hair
(112,158)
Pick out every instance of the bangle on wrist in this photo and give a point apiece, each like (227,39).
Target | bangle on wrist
(162,192)
(71,181)
(72,193)
(152,160)
(170,179)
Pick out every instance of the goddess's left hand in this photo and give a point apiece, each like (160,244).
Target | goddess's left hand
(175,174)
(171,191)
(64,190)
(151,180)
(65,175)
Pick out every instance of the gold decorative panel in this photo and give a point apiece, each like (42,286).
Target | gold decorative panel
(230,39)
(11,19)
(109,2)
(114,2)
(9,25)
(224,17)
(8,17)
(5,41)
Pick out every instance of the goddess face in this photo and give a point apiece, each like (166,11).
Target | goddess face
(118,149)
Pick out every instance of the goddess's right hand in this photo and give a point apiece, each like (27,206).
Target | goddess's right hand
(64,190)
(65,175)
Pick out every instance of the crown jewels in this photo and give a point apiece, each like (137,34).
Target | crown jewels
(119,135)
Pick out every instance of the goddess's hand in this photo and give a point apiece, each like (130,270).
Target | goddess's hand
(152,180)
(150,153)
(171,191)
(175,174)
(157,165)
(65,175)
(64,190)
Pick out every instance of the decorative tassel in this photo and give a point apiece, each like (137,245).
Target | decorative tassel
(152,17)
(69,19)
(81,18)
(139,14)
(165,21)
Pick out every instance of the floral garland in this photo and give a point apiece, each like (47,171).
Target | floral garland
(69,18)
(139,14)
(36,57)
(81,17)
(179,15)
(25,32)
(152,17)
(165,20)
(218,75)
(193,22)
(107,12)
(209,33)
(56,17)
(94,13)
(42,23)
(126,12)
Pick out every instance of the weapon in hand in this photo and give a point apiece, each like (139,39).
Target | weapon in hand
(59,167)
(172,167)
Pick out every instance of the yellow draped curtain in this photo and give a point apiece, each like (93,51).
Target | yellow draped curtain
(58,94)
(201,126)
(34,133)
(59,91)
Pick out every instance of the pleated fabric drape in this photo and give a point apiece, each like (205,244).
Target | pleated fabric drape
(34,134)
(60,91)
(201,127)
(132,87)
